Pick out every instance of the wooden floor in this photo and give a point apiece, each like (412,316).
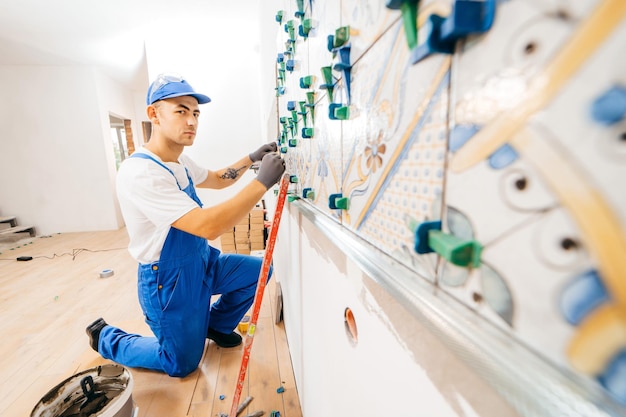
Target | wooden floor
(46,303)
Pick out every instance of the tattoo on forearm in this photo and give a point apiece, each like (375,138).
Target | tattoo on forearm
(231,173)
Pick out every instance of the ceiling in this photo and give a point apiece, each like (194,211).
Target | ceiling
(108,34)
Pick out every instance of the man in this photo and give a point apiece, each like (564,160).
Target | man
(168,229)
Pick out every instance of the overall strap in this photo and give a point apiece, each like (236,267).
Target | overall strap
(146,156)
(190,190)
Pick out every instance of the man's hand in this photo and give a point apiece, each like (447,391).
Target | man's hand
(263,150)
(271,169)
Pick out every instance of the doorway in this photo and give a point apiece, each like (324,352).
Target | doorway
(121,138)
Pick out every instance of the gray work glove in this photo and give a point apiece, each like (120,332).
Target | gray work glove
(262,151)
(271,169)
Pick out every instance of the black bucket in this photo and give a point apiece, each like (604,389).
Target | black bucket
(103,391)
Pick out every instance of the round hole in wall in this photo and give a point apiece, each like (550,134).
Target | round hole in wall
(568,243)
(351,329)
(477,297)
(530,48)
(521,184)
(563,14)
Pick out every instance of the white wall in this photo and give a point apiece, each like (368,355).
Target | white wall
(268,32)
(55,170)
(116,100)
(223,63)
(397,367)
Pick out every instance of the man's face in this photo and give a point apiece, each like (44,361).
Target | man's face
(178,119)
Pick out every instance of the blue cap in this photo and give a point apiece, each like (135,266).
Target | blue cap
(171,85)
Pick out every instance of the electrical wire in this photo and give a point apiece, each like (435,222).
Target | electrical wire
(74,253)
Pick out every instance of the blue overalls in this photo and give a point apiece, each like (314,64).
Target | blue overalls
(175,295)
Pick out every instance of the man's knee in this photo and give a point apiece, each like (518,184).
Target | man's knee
(181,372)
(181,364)
(181,368)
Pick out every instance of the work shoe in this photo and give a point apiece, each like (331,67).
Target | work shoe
(93,331)
(224,340)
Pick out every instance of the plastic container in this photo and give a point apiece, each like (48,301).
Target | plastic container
(103,391)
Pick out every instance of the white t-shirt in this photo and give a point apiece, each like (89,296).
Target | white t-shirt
(151,201)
